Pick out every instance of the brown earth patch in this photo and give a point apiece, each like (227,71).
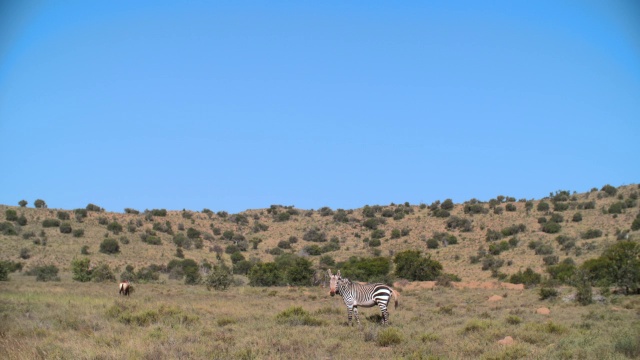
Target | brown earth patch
(495,298)
(543,311)
(506,341)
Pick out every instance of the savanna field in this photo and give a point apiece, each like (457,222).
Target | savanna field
(213,285)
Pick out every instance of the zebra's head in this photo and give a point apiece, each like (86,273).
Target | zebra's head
(333,283)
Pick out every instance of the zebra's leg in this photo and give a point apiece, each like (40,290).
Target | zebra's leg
(355,312)
(385,314)
(349,315)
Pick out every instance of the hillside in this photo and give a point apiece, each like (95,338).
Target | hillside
(606,215)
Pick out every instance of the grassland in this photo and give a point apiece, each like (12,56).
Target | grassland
(69,320)
(170,320)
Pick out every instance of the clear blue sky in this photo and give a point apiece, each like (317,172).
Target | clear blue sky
(235,105)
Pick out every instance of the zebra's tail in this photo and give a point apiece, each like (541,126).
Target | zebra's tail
(396,297)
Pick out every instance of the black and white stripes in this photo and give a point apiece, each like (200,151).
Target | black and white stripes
(365,295)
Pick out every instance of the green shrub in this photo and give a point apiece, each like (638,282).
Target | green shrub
(609,190)
(462,224)
(563,272)
(543,206)
(47,223)
(78,233)
(366,269)
(551,227)
(388,337)
(577,217)
(81,269)
(432,243)
(159,212)
(11,215)
(22,203)
(560,206)
(315,235)
(193,233)
(45,273)
(265,274)
(411,265)
(591,234)
(547,293)
(584,296)
(40,204)
(22,220)
(493,235)
(635,225)
(114,227)
(219,278)
(109,246)
(102,273)
(65,228)
(528,278)
(297,316)
(7,228)
(4,271)
(510,207)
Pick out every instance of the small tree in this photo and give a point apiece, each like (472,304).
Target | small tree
(23,203)
(411,265)
(220,278)
(80,269)
(40,204)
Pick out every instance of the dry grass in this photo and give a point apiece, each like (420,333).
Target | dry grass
(68,320)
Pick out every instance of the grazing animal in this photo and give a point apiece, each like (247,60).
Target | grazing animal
(125,287)
(366,295)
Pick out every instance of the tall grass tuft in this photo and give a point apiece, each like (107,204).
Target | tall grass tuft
(297,316)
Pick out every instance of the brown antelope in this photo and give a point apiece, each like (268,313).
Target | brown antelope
(125,287)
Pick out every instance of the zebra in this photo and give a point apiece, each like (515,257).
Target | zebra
(366,295)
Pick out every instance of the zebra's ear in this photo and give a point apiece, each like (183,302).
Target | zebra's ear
(329,271)
(338,274)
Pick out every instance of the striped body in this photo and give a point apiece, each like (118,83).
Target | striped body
(365,295)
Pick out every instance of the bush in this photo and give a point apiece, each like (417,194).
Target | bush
(447,205)
(109,246)
(24,253)
(563,272)
(547,293)
(102,273)
(366,269)
(388,337)
(193,233)
(40,204)
(462,224)
(4,271)
(11,215)
(220,278)
(65,228)
(47,223)
(551,227)
(528,278)
(609,190)
(591,234)
(265,274)
(543,206)
(114,227)
(296,316)
(45,273)
(84,250)
(511,207)
(411,265)
(315,235)
(7,228)
(78,233)
(81,269)
(432,243)
(584,296)
(577,217)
